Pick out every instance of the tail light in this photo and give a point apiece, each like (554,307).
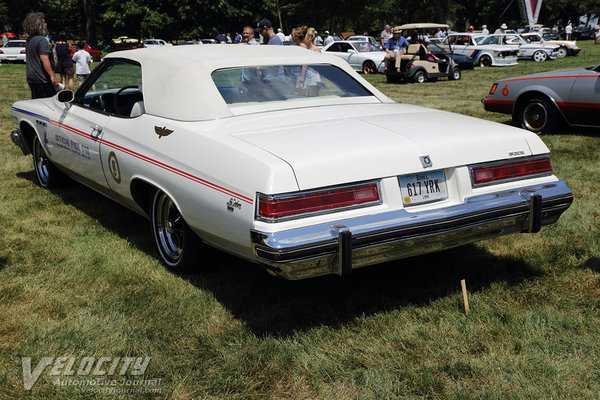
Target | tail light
(274,208)
(1,52)
(493,89)
(490,173)
(22,51)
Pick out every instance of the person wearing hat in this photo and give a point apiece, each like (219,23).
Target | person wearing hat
(265,28)
(395,46)
(484,30)
(471,28)
(502,28)
(327,39)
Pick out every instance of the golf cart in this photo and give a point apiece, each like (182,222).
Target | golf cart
(418,64)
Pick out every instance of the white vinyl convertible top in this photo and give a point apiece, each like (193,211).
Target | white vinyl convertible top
(177,81)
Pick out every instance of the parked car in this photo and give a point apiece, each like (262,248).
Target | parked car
(418,65)
(365,38)
(527,50)
(209,41)
(539,102)
(155,43)
(254,166)
(13,50)
(189,42)
(95,53)
(583,32)
(436,48)
(483,55)
(361,55)
(126,43)
(566,47)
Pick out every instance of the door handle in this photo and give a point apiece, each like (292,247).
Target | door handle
(97,130)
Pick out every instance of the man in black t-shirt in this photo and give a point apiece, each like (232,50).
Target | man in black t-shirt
(40,61)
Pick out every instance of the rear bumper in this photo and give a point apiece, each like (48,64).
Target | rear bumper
(504,61)
(340,246)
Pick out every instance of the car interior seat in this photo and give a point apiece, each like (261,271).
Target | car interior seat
(138,107)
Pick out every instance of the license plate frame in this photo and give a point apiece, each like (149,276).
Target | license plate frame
(423,187)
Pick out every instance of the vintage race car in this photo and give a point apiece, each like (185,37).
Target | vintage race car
(527,51)
(566,47)
(483,55)
(286,157)
(539,102)
(363,56)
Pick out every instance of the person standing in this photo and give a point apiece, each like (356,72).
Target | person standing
(82,63)
(328,39)
(280,34)
(64,62)
(386,34)
(265,28)
(502,29)
(484,30)
(248,35)
(568,31)
(40,61)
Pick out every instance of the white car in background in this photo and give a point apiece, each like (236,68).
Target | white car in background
(528,51)
(566,47)
(13,50)
(365,38)
(361,55)
(483,55)
(156,43)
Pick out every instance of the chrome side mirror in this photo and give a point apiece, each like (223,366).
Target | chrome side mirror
(65,96)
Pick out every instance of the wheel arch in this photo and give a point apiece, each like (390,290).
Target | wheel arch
(544,92)
(142,190)
(28,131)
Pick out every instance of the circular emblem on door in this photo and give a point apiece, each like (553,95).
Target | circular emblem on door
(113,165)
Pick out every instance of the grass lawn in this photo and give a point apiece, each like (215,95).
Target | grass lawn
(79,277)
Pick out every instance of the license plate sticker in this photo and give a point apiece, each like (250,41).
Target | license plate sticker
(423,187)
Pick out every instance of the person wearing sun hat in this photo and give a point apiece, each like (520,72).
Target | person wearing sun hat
(484,30)
(394,47)
(502,28)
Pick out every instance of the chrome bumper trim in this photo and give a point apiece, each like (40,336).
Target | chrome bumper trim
(338,247)
(17,138)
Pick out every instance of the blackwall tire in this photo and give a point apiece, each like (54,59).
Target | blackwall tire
(46,174)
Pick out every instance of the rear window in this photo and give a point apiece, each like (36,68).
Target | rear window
(259,84)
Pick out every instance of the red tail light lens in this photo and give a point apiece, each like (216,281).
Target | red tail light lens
(510,170)
(1,52)
(22,51)
(287,206)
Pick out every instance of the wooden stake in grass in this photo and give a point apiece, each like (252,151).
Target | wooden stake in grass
(463,285)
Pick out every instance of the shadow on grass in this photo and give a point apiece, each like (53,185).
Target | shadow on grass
(112,215)
(273,306)
(593,264)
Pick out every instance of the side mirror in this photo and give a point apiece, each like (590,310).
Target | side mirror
(65,96)
(351,51)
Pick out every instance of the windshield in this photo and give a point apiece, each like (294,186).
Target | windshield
(365,47)
(260,84)
(488,40)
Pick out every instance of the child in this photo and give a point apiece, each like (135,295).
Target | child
(82,61)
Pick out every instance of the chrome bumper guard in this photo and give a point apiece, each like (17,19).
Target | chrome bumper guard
(337,248)
(17,138)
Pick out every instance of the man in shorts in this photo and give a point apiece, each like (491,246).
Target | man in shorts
(82,61)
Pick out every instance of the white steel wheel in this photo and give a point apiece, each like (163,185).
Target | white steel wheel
(561,52)
(539,56)
(176,243)
(455,75)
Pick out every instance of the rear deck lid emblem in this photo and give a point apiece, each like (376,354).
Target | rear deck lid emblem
(426,161)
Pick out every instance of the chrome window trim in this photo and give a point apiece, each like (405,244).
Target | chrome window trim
(503,162)
(259,195)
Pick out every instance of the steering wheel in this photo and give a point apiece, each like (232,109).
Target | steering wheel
(115,99)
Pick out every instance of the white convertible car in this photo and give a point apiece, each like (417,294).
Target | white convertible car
(286,157)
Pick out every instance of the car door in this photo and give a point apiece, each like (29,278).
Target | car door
(584,100)
(340,49)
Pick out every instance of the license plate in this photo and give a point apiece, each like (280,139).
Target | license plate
(423,187)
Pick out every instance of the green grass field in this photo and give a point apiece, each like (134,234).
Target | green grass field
(79,277)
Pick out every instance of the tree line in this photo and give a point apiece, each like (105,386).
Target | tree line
(193,19)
